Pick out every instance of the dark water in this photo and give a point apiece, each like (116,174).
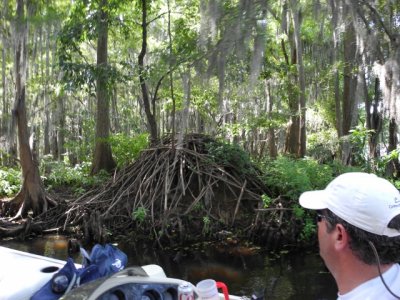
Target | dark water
(284,276)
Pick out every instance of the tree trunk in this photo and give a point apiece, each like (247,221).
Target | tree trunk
(171,85)
(32,194)
(6,125)
(272,149)
(47,119)
(3,122)
(103,159)
(184,119)
(335,37)
(59,127)
(391,88)
(373,120)
(115,125)
(293,128)
(301,151)
(151,121)
(4,107)
(349,112)
(393,167)
(73,139)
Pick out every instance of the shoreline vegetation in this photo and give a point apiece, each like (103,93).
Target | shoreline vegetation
(203,190)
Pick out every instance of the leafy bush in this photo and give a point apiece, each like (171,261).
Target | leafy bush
(126,149)
(382,163)
(78,177)
(81,148)
(290,177)
(338,168)
(323,145)
(226,154)
(358,137)
(139,214)
(10,181)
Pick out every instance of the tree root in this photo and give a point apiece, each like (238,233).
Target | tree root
(167,190)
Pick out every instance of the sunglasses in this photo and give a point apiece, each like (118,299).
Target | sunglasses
(321,216)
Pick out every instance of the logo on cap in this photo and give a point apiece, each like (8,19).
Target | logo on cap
(396,203)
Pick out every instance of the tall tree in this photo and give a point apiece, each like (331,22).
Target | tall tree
(32,195)
(296,13)
(87,23)
(102,159)
(292,143)
(149,103)
(374,119)
(3,17)
(335,9)
(349,104)
(8,145)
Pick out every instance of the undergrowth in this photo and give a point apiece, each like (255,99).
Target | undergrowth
(10,181)
(226,154)
(126,149)
(77,178)
(288,178)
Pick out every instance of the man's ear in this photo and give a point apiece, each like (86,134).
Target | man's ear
(341,237)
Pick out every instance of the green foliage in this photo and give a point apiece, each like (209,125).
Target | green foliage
(268,120)
(290,177)
(298,211)
(205,100)
(10,181)
(198,207)
(358,138)
(139,214)
(185,40)
(382,163)
(266,200)
(309,228)
(60,174)
(396,183)
(230,155)
(82,146)
(206,225)
(322,145)
(80,69)
(127,149)
(338,168)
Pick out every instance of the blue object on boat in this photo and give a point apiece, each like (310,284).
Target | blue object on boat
(108,258)
(103,261)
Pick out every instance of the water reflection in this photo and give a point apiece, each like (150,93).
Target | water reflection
(289,276)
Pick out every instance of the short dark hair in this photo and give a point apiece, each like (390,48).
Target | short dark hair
(388,248)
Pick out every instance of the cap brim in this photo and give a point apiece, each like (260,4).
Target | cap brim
(313,199)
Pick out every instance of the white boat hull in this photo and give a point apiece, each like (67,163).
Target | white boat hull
(22,274)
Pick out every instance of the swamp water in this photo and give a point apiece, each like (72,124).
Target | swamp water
(286,276)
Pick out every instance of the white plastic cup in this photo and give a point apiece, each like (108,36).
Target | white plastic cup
(207,289)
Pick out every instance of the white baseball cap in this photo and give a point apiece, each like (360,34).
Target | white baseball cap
(361,199)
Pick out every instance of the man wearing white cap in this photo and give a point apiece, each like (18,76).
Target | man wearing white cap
(359,234)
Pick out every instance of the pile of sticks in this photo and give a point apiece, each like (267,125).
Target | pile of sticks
(165,183)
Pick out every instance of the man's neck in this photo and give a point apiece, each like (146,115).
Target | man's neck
(354,273)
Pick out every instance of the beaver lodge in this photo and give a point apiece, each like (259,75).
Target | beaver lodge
(172,194)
